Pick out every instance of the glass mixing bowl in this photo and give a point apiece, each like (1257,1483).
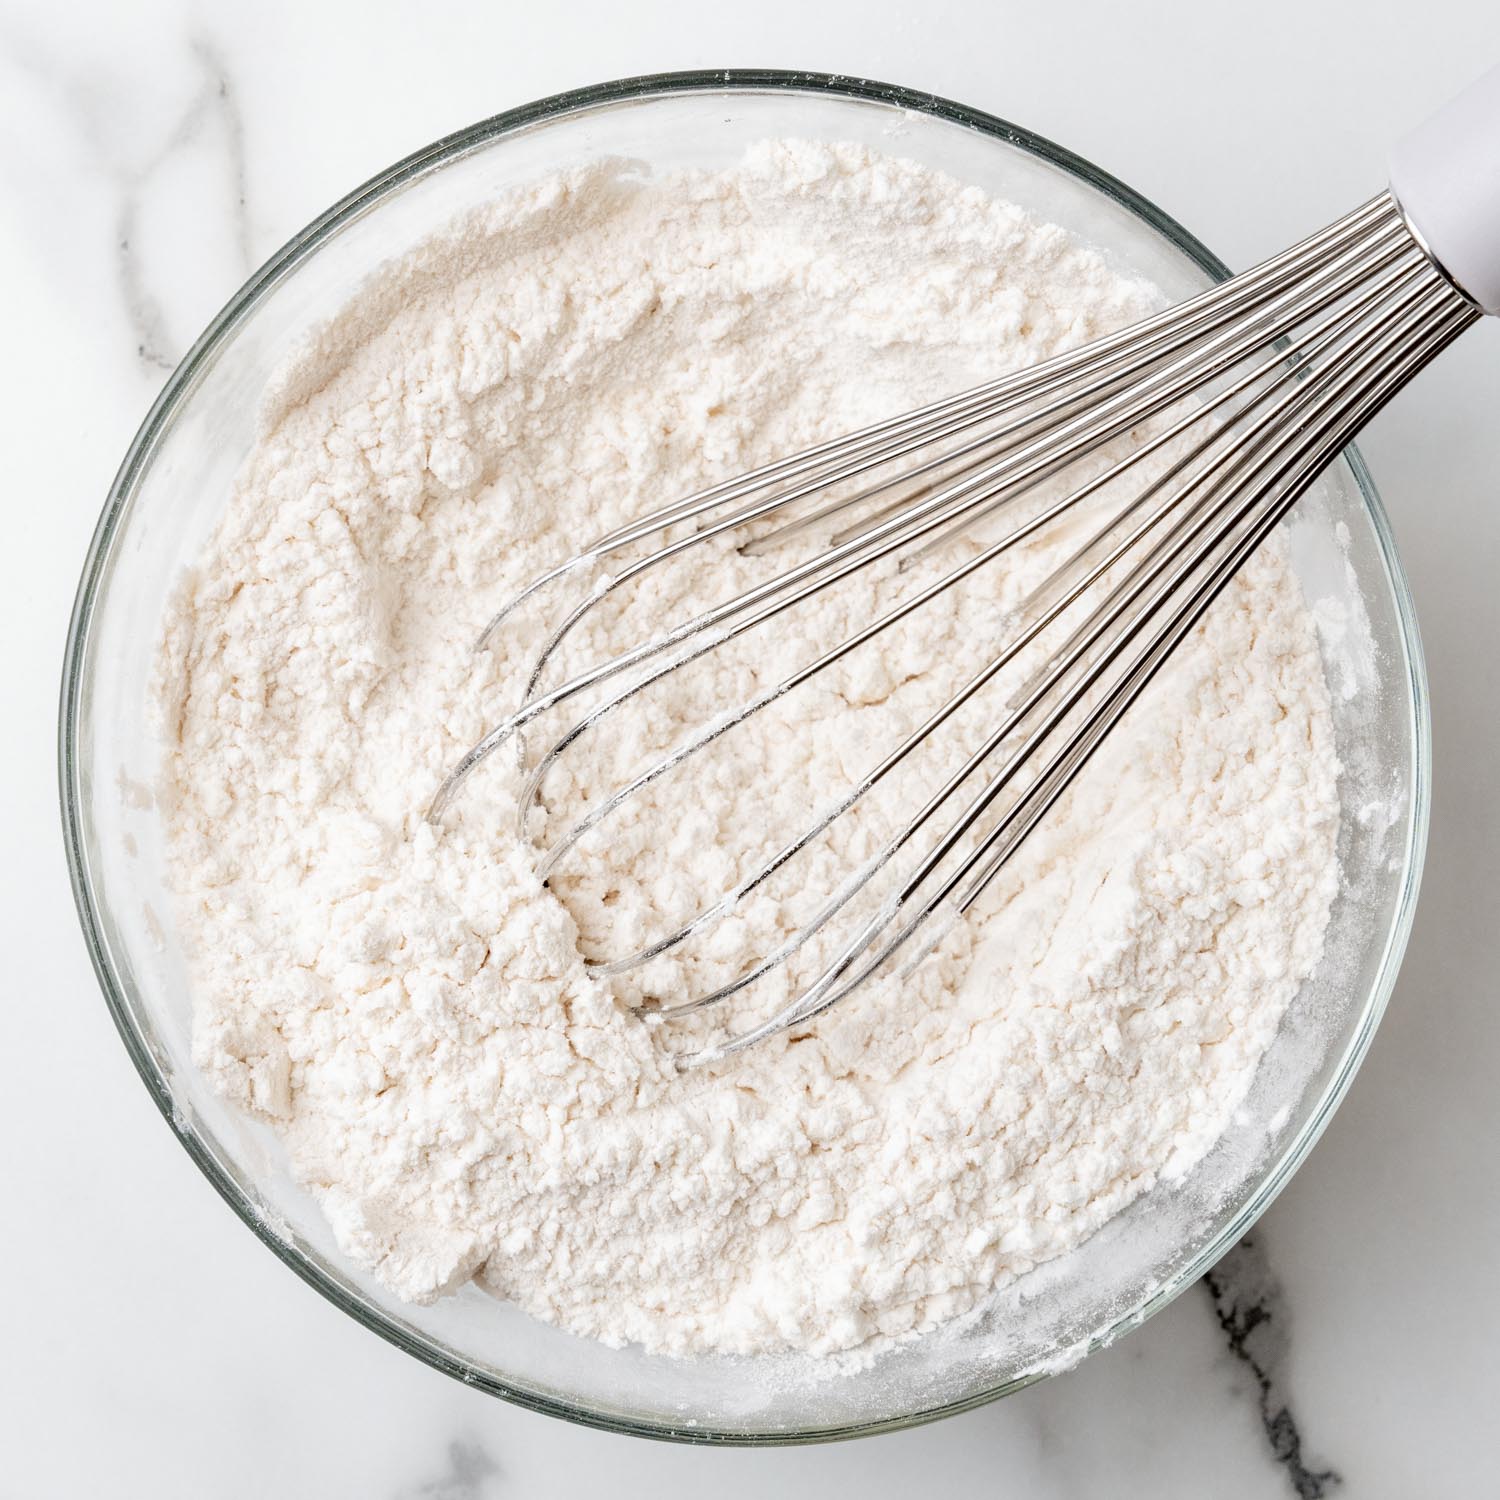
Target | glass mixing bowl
(166,499)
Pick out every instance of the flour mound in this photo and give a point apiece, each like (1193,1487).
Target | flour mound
(409,1007)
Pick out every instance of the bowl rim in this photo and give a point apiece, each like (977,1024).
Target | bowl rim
(179,387)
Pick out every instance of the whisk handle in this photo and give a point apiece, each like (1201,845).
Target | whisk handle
(1446,177)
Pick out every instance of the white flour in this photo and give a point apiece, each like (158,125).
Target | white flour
(409,1008)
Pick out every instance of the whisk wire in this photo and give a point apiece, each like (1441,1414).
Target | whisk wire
(1244,393)
(1277,369)
(1258,297)
(1066,763)
(1020,469)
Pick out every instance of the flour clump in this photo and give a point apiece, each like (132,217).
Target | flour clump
(408,1006)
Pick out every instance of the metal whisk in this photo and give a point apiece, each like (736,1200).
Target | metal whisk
(1240,398)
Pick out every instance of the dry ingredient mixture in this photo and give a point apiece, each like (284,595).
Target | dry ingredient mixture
(407,1005)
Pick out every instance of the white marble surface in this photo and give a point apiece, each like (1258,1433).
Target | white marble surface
(150,155)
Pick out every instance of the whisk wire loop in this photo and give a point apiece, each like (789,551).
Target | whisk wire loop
(1232,404)
(1325,437)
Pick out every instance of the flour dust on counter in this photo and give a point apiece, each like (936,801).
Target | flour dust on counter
(409,1006)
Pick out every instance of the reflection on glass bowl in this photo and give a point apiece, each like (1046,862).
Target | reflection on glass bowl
(167,498)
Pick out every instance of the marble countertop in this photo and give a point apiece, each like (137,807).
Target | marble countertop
(152,155)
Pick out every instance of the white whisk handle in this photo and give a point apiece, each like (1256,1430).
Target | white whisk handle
(1446,177)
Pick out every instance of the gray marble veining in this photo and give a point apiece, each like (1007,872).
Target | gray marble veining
(1250,1305)
(468,1474)
(134,161)
(211,114)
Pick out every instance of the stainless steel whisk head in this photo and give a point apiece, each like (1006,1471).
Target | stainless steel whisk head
(1230,405)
